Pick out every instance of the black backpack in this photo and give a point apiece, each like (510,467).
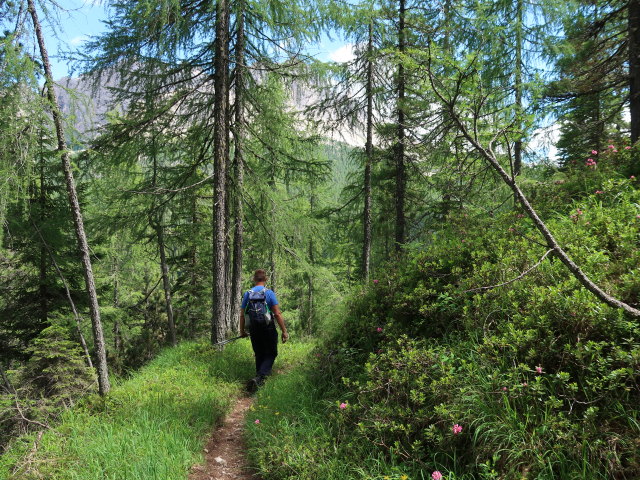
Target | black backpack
(257,311)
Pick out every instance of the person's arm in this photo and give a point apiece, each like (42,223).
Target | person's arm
(243,305)
(276,311)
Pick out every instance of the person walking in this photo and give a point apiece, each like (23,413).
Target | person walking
(258,310)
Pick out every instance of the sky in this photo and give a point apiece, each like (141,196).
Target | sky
(81,19)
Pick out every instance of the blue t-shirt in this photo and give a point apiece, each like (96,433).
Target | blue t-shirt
(270,297)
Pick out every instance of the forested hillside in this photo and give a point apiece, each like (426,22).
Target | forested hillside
(450,219)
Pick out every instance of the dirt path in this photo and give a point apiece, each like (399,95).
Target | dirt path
(225,451)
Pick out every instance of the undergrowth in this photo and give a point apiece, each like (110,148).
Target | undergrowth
(444,364)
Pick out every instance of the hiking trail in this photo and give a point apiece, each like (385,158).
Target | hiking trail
(225,451)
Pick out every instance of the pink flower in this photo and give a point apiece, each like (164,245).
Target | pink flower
(375,282)
(599,192)
(579,212)
(632,177)
(504,389)
(379,329)
(638,217)
(437,475)
(627,147)
(257,422)
(611,147)
(456,429)
(343,406)
(615,151)
(594,152)
(538,369)
(525,384)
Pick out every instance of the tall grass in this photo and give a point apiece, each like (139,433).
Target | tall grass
(151,427)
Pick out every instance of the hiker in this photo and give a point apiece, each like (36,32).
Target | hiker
(259,307)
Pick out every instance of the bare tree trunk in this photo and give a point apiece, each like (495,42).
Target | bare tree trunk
(400,146)
(366,215)
(98,336)
(490,157)
(220,290)
(238,234)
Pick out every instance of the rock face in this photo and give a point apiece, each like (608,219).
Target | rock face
(83,105)
(86,107)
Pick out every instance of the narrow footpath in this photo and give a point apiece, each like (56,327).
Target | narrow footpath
(225,451)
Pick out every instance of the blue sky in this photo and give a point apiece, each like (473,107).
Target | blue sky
(81,19)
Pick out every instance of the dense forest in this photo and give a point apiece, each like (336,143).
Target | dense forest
(450,219)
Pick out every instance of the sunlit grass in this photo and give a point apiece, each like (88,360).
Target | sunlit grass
(151,426)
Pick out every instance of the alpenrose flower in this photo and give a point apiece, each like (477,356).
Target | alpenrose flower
(437,475)
(456,429)
(538,369)
(343,406)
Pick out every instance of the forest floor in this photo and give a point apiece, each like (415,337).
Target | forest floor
(225,452)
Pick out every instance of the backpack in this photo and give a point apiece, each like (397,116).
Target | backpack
(257,311)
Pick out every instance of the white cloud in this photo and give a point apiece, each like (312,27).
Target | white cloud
(75,41)
(342,54)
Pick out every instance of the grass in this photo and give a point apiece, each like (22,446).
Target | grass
(300,434)
(151,426)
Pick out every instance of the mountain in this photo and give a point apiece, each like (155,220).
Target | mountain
(86,106)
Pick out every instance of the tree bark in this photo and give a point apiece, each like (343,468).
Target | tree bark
(366,214)
(400,145)
(559,252)
(220,139)
(238,234)
(98,336)
(634,68)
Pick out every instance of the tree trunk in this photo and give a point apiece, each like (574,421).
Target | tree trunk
(117,334)
(193,262)
(42,287)
(273,267)
(98,336)
(517,160)
(366,215)
(238,234)
(157,225)
(166,284)
(634,68)
(400,146)
(220,139)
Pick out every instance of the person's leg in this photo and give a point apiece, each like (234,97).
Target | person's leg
(256,344)
(269,352)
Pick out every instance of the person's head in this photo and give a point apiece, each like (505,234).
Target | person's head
(259,276)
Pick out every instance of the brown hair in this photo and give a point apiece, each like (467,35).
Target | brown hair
(259,276)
